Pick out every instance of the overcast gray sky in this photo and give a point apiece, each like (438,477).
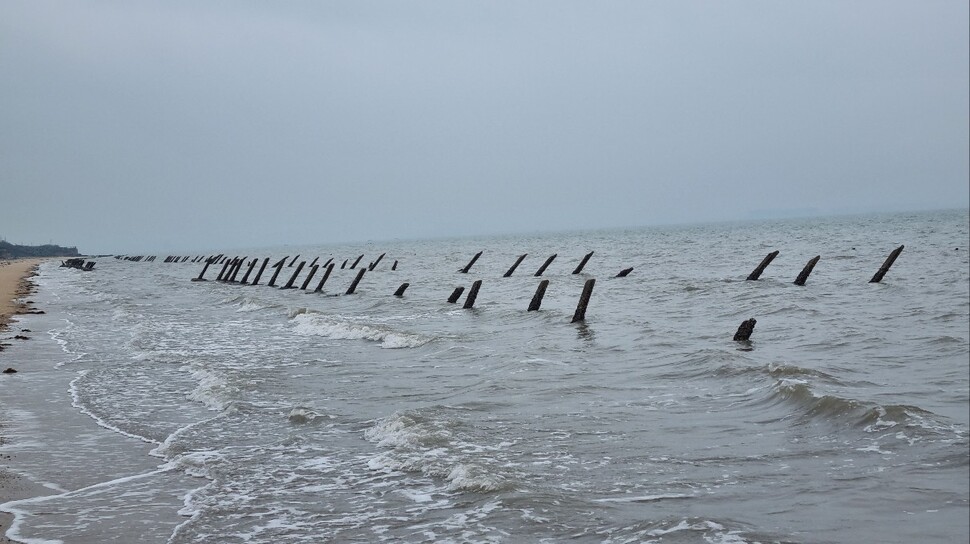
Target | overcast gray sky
(170,126)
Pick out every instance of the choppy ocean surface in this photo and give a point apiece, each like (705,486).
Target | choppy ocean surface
(156,409)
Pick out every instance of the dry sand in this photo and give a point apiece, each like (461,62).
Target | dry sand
(14,285)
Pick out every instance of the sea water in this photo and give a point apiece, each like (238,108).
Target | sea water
(157,409)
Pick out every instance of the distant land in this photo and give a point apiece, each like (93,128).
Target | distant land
(14,251)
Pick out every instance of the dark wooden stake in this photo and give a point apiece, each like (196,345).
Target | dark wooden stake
(353,286)
(260,273)
(222,272)
(400,290)
(314,262)
(745,330)
(537,298)
(323,280)
(344,264)
(278,266)
(455,294)
(472,294)
(756,273)
(252,265)
(374,264)
(515,265)
(803,276)
(625,272)
(201,274)
(313,270)
(294,260)
(582,263)
(470,263)
(299,267)
(394,266)
(545,265)
(353,266)
(885,265)
(580,314)
(324,265)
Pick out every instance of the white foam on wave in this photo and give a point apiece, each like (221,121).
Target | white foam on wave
(76,402)
(312,324)
(213,391)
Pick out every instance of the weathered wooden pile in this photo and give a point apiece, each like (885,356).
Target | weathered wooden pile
(79,264)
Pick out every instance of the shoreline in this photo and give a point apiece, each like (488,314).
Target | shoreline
(15,284)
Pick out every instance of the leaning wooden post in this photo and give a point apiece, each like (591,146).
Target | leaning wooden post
(537,298)
(223,271)
(803,276)
(545,265)
(373,265)
(353,285)
(353,266)
(394,266)
(515,265)
(470,263)
(455,294)
(201,274)
(252,265)
(278,266)
(400,290)
(342,266)
(625,272)
(294,260)
(745,330)
(299,268)
(260,273)
(313,270)
(885,265)
(323,280)
(324,265)
(314,261)
(756,273)
(472,294)
(582,263)
(239,265)
(580,314)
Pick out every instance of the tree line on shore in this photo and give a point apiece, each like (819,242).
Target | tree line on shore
(14,251)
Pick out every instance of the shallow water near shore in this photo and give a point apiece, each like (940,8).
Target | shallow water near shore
(158,409)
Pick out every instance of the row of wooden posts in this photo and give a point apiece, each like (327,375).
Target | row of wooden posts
(232,266)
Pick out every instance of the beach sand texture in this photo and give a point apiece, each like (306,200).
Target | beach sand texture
(14,284)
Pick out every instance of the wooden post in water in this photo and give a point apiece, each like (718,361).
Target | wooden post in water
(400,290)
(580,314)
(582,263)
(314,261)
(472,294)
(299,268)
(537,298)
(756,273)
(455,294)
(625,272)
(470,263)
(235,272)
(252,265)
(201,274)
(344,264)
(323,280)
(353,286)
(260,273)
(803,276)
(294,260)
(373,265)
(394,266)
(885,265)
(222,272)
(324,265)
(278,266)
(353,266)
(313,270)
(745,330)
(515,265)
(545,265)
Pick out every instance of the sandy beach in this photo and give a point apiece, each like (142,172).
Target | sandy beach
(14,285)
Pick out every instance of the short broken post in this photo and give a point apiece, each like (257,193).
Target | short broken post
(374,264)
(625,272)
(580,314)
(537,298)
(582,263)
(455,294)
(472,294)
(394,266)
(545,265)
(470,263)
(803,276)
(353,286)
(400,290)
(202,274)
(515,265)
(745,330)
(756,273)
(885,265)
